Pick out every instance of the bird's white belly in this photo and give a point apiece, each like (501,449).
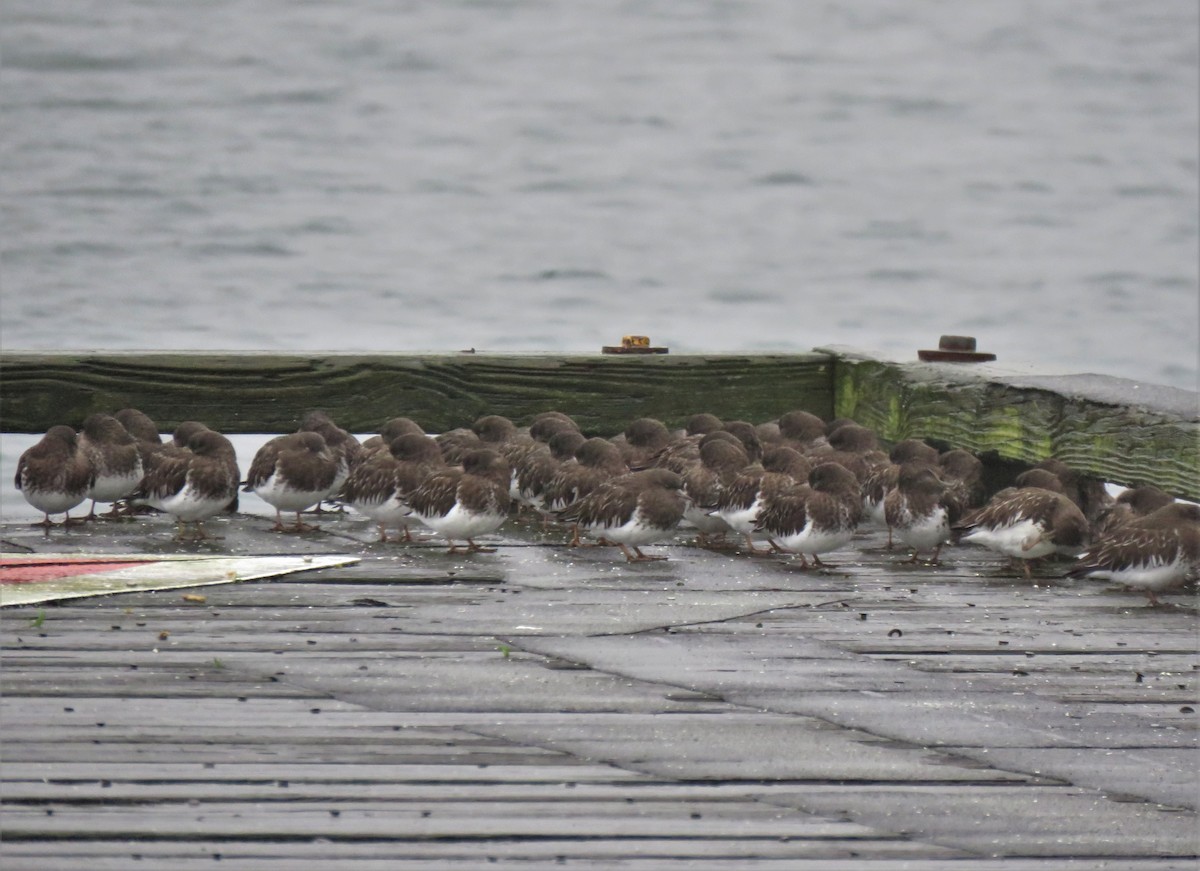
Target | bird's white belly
(635,532)
(460,523)
(814,541)
(189,506)
(390,510)
(109,488)
(51,501)
(926,533)
(1021,540)
(1154,575)
(277,494)
(742,520)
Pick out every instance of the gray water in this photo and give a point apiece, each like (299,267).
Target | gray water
(543,175)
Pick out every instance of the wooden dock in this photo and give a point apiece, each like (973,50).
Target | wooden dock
(554,706)
(548,706)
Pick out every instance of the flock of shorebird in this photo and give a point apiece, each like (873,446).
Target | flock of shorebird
(796,485)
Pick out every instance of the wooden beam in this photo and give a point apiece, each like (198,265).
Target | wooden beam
(1119,430)
(249,392)
(1122,431)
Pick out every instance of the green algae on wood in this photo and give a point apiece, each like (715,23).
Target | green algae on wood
(1097,425)
(272,392)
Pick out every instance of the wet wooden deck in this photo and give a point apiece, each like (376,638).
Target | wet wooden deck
(545,706)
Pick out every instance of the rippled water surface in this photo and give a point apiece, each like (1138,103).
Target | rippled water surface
(526,176)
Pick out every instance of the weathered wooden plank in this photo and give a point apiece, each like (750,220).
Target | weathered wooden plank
(661,855)
(271,392)
(1112,428)
(632,854)
(1115,429)
(384,820)
(1030,819)
(630,682)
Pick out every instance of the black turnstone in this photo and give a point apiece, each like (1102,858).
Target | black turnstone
(143,428)
(596,461)
(389,432)
(641,440)
(780,469)
(1153,553)
(705,481)
(814,518)
(768,434)
(514,444)
(546,424)
(920,509)
(150,445)
(465,503)
(635,510)
(455,443)
(293,473)
(801,430)
(963,471)
(747,434)
(192,484)
(534,469)
(379,485)
(116,459)
(683,452)
(1130,504)
(55,474)
(182,434)
(881,478)
(1025,524)
(180,439)
(853,446)
(702,423)
(344,446)
(1086,491)
(495,430)
(1043,479)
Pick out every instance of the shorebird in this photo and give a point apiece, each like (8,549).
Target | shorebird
(116,458)
(344,446)
(139,425)
(963,471)
(814,518)
(465,503)
(1025,524)
(1130,504)
(293,473)
(705,481)
(55,474)
(747,434)
(881,478)
(192,484)
(389,432)
(635,510)
(920,509)
(546,424)
(641,440)
(756,485)
(597,460)
(533,470)
(1153,553)
(851,445)
(455,443)
(379,485)
(801,430)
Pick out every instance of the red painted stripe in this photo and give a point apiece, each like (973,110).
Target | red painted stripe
(26,571)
